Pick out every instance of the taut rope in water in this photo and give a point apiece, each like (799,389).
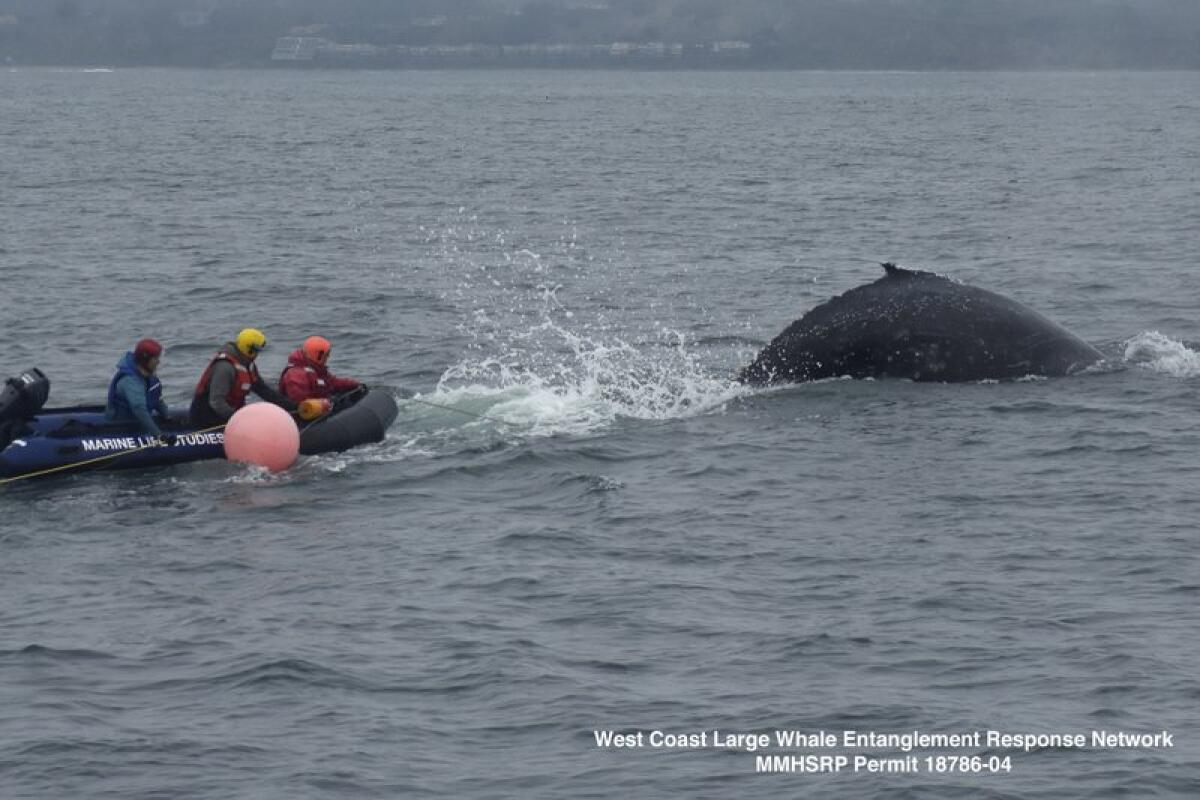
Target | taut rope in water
(110,456)
(487,417)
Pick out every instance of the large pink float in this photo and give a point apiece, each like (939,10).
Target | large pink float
(262,434)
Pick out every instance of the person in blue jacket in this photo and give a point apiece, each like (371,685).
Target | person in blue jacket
(135,393)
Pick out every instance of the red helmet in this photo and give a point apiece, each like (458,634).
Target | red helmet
(316,349)
(145,350)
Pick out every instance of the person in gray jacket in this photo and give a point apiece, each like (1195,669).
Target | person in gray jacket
(229,378)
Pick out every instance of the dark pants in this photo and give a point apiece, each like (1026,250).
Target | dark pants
(202,415)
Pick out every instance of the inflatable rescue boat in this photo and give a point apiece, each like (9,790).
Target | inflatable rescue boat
(36,441)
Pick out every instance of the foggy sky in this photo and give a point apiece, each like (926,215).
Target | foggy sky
(936,34)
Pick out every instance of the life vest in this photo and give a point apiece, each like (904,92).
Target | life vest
(245,379)
(117,402)
(317,385)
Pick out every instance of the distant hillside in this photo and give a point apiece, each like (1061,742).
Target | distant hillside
(828,34)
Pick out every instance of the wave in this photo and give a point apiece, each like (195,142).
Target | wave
(1160,353)
(573,383)
(43,653)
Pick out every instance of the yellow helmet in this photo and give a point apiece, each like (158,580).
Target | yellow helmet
(250,341)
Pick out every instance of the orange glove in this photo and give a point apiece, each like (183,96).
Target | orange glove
(314,408)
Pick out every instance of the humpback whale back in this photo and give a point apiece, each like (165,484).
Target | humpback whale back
(920,326)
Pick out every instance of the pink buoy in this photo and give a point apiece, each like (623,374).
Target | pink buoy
(262,434)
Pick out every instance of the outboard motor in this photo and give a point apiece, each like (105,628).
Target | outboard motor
(23,396)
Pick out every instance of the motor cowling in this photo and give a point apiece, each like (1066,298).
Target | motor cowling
(23,396)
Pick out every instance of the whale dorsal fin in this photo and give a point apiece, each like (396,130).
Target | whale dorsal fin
(894,271)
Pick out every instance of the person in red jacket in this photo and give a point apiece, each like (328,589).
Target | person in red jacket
(307,378)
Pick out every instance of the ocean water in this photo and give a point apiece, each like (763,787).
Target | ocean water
(594,528)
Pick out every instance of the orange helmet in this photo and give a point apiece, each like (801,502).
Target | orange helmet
(316,349)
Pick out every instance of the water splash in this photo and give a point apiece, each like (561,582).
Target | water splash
(1155,351)
(254,475)
(559,342)
(568,382)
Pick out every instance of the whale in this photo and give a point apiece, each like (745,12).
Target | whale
(919,326)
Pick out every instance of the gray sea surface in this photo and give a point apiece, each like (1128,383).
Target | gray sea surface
(629,541)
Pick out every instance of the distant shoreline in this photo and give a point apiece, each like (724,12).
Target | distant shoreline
(609,35)
(297,68)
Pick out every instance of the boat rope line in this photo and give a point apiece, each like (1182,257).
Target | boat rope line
(98,459)
(460,411)
(119,453)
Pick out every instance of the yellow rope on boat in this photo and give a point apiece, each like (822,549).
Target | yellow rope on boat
(96,460)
